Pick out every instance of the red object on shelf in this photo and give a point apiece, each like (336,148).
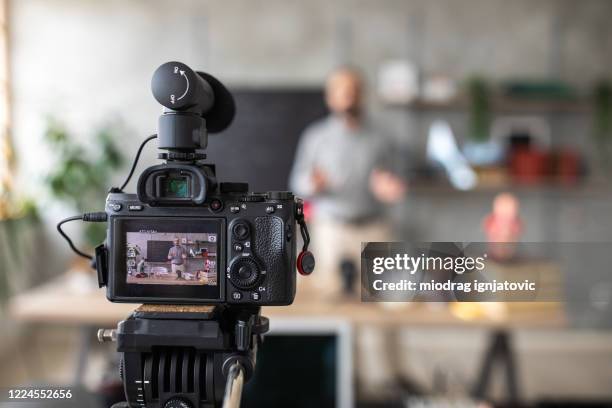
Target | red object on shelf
(568,166)
(529,166)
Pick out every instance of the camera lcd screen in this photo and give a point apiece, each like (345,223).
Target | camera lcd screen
(168,259)
(171,258)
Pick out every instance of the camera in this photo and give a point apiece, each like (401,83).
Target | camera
(202,256)
(184,237)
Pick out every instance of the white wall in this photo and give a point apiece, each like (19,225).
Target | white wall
(88,61)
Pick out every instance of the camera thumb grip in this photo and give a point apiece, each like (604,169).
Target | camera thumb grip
(305,263)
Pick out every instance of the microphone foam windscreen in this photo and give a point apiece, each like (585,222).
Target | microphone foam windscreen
(221,115)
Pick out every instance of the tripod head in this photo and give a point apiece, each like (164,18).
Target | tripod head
(195,104)
(186,356)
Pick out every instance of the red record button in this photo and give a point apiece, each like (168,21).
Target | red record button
(216,205)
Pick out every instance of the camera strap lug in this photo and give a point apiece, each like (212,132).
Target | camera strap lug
(305,261)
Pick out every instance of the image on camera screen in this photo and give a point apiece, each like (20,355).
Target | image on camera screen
(167,258)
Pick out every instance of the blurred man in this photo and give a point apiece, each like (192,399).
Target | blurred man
(341,166)
(177,256)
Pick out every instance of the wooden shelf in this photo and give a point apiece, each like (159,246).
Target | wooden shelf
(503,104)
(581,188)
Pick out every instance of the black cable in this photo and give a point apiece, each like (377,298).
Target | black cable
(67,238)
(135,162)
(100,216)
(88,217)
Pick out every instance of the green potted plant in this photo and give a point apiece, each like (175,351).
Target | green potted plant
(19,227)
(480,110)
(479,149)
(602,132)
(81,176)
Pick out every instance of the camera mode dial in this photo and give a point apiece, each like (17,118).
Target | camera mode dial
(245,273)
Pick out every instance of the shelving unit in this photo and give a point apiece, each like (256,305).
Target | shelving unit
(504,104)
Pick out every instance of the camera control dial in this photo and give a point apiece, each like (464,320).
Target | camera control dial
(245,273)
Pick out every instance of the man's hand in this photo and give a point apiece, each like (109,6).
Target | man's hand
(318,179)
(386,186)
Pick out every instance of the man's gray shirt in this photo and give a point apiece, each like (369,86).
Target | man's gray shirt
(176,255)
(346,158)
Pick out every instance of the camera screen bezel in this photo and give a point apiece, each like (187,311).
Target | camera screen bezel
(121,291)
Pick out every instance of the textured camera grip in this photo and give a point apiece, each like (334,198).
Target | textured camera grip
(270,250)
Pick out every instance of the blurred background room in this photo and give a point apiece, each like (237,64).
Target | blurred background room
(480,120)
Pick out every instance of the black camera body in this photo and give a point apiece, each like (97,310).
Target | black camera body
(184,238)
(248,241)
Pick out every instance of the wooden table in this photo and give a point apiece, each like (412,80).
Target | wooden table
(58,302)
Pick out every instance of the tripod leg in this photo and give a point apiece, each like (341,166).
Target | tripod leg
(233,386)
(511,374)
(500,349)
(493,350)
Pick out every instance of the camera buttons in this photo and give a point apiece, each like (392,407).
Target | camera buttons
(288,232)
(216,205)
(114,207)
(135,207)
(236,295)
(241,230)
(244,273)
